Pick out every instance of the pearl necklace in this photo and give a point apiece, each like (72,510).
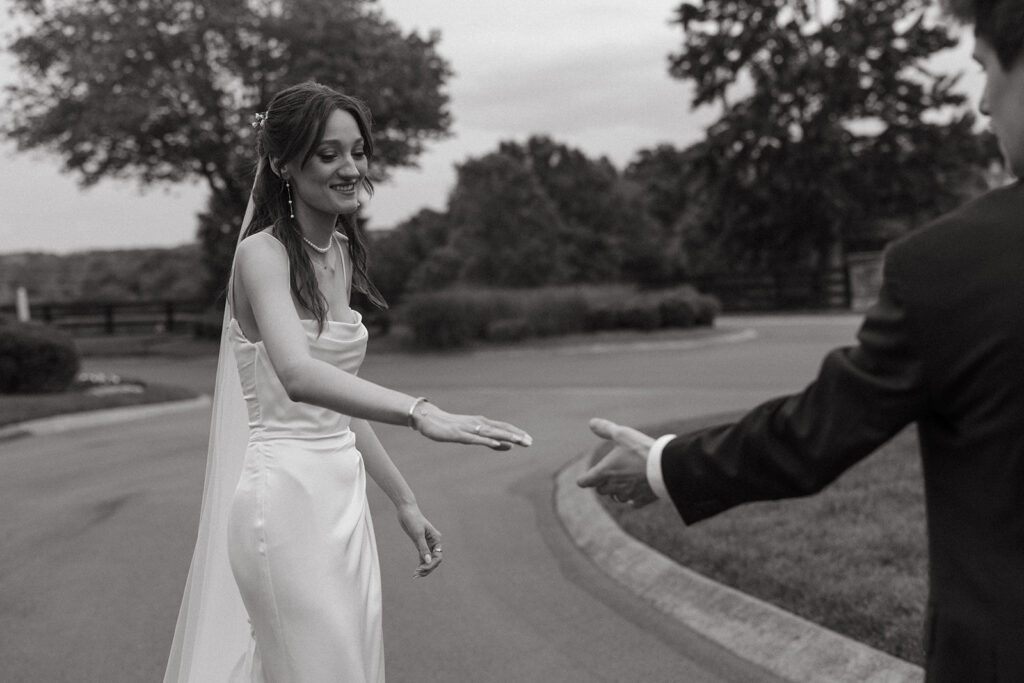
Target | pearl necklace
(322,250)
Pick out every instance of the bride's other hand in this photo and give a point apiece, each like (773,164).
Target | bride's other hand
(424,536)
(439,425)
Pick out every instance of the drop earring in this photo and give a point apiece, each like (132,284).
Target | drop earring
(291,209)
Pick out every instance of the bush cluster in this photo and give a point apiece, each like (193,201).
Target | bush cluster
(456,317)
(36,359)
(450,318)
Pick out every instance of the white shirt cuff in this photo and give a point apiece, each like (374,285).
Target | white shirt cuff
(654,478)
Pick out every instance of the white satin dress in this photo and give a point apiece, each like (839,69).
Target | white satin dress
(300,537)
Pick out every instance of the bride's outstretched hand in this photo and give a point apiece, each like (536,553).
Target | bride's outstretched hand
(439,425)
(424,536)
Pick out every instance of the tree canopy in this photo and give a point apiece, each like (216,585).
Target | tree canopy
(829,120)
(605,232)
(503,224)
(163,90)
(527,214)
(102,275)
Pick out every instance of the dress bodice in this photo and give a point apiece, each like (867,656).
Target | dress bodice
(272,414)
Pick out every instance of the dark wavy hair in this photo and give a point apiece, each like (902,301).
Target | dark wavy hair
(999,22)
(292,129)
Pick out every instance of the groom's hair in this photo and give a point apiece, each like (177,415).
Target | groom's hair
(999,22)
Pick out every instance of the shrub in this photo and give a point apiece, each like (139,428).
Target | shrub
(553,311)
(456,317)
(708,308)
(452,318)
(677,312)
(641,313)
(685,307)
(602,317)
(36,359)
(509,330)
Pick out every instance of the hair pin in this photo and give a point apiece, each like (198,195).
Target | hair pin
(259,119)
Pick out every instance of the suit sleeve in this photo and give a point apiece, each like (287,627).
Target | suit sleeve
(796,445)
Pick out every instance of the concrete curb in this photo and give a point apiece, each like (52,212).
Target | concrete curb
(783,643)
(721,337)
(664,345)
(92,418)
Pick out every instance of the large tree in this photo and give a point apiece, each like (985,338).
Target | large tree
(163,90)
(607,234)
(504,226)
(399,254)
(674,194)
(831,118)
(528,214)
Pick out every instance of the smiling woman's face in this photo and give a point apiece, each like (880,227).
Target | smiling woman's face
(329,182)
(1003,102)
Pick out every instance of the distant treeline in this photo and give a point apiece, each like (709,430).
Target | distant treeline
(108,275)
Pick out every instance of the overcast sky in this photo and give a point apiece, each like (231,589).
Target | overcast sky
(590,73)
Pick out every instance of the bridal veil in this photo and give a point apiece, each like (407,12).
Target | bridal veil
(212,634)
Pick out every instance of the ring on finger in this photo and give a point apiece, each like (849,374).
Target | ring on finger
(476,430)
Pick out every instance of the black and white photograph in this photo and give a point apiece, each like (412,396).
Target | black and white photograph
(353,341)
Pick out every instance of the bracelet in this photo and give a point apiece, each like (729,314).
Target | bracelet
(412,411)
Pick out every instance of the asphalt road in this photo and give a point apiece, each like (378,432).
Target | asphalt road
(97,525)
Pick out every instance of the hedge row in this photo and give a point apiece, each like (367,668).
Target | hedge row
(456,317)
(36,359)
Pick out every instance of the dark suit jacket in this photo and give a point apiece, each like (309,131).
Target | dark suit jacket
(943,347)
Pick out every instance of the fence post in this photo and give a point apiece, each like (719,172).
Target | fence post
(864,271)
(24,314)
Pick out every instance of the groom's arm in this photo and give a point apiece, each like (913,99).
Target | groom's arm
(795,445)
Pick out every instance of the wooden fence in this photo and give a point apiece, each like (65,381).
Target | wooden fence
(118,317)
(779,290)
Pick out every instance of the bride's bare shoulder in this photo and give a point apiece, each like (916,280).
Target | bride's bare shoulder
(261,255)
(261,245)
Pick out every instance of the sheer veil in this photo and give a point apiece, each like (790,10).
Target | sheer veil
(212,634)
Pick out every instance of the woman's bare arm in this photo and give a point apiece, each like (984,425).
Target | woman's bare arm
(263,273)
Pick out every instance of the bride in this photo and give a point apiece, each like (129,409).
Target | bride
(284,584)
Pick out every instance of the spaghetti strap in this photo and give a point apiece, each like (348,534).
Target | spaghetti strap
(339,236)
(229,294)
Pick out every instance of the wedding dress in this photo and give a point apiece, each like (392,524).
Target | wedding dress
(300,537)
(286,485)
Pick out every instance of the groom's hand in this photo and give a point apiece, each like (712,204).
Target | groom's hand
(622,472)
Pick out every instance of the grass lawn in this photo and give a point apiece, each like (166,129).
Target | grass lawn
(852,558)
(20,407)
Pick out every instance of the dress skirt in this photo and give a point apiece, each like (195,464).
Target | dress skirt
(302,549)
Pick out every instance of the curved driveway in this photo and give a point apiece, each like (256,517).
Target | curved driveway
(96,525)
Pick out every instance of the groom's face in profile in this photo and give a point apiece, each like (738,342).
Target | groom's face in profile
(1003,101)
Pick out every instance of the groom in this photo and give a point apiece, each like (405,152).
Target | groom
(943,347)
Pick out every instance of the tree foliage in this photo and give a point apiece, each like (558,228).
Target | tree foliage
(829,120)
(665,176)
(527,214)
(673,191)
(163,90)
(606,233)
(399,253)
(103,275)
(504,226)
